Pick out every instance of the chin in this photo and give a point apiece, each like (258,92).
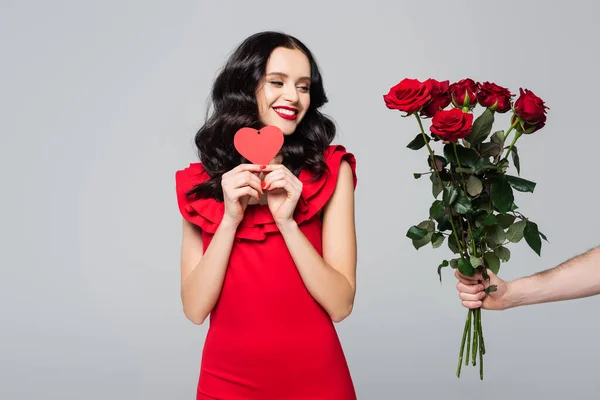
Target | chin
(287,128)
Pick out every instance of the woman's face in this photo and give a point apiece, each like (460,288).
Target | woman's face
(284,94)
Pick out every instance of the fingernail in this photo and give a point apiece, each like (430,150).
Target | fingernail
(263,166)
(262,184)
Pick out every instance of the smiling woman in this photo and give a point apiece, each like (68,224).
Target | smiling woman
(285,95)
(269,251)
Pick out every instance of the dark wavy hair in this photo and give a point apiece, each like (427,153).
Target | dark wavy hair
(234,106)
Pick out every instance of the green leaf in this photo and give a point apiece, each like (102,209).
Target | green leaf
(468,157)
(474,186)
(416,233)
(520,184)
(505,220)
(482,203)
(444,223)
(492,262)
(482,126)
(417,176)
(501,193)
(462,205)
(496,235)
(490,149)
(532,237)
(484,166)
(543,236)
(440,162)
(515,157)
(465,267)
(444,263)
(437,209)
(417,244)
(498,138)
(437,239)
(437,186)
(491,219)
(460,170)
(477,233)
(490,289)
(503,253)
(452,244)
(476,261)
(418,142)
(516,231)
(450,194)
(478,215)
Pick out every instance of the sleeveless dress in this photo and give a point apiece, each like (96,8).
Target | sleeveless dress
(268,338)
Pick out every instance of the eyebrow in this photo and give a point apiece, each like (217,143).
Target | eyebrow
(286,75)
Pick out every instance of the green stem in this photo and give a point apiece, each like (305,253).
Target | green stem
(462,345)
(481,334)
(481,348)
(475,337)
(468,337)
(517,136)
(510,129)
(434,166)
(459,242)
(462,181)
(433,163)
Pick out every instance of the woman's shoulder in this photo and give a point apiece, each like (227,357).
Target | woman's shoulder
(334,156)
(193,174)
(316,192)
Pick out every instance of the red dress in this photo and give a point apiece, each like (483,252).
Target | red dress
(268,338)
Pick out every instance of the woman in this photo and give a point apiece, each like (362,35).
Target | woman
(269,251)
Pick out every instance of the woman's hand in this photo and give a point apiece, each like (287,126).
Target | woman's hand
(238,185)
(283,192)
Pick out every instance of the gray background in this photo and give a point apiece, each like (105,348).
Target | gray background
(100,102)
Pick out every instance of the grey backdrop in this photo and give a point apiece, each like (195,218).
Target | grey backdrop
(100,102)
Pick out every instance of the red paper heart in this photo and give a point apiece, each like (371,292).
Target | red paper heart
(259,146)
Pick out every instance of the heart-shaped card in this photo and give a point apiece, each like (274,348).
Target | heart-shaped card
(259,146)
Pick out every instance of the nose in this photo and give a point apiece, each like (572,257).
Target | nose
(290,94)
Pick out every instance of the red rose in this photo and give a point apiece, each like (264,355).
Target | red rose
(464,93)
(451,125)
(410,95)
(440,96)
(526,127)
(530,109)
(494,97)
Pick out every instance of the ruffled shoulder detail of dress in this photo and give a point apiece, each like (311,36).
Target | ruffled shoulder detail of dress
(207,213)
(316,194)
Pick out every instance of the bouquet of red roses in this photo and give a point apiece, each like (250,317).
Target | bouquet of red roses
(474,208)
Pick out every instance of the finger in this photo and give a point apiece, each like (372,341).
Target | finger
(247,179)
(245,191)
(242,168)
(473,279)
(272,177)
(471,297)
(247,167)
(465,279)
(296,184)
(273,167)
(472,304)
(285,185)
(461,287)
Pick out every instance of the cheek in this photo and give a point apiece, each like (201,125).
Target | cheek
(264,99)
(305,102)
